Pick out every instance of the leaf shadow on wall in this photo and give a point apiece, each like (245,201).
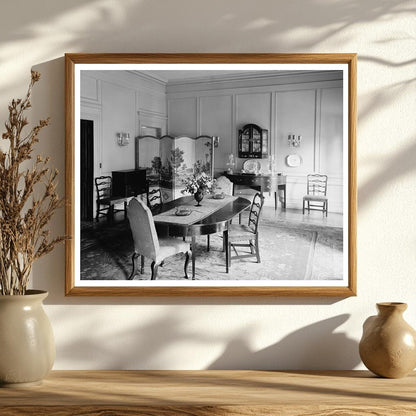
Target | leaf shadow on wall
(84,24)
(140,26)
(145,346)
(396,165)
(140,343)
(316,346)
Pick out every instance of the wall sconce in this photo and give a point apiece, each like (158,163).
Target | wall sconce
(294,140)
(216,140)
(123,139)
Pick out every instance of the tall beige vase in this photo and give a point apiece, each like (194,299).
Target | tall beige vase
(388,345)
(27,346)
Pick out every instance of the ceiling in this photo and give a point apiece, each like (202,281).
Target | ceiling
(189,75)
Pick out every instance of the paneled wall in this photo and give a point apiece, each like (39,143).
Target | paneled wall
(307,104)
(120,101)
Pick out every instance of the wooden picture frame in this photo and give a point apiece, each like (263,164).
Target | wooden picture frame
(75,63)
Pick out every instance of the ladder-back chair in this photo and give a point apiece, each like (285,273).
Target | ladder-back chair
(105,200)
(240,235)
(316,199)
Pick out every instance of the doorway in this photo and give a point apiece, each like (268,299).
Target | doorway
(87,170)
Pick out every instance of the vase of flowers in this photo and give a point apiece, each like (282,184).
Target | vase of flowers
(28,200)
(198,185)
(199,196)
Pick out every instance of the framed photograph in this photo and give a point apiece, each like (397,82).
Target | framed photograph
(211,174)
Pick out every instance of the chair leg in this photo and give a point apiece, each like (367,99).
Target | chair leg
(208,241)
(154,268)
(303,207)
(257,249)
(110,214)
(252,247)
(193,249)
(186,264)
(141,264)
(134,260)
(326,210)
(125,210)
(226,247)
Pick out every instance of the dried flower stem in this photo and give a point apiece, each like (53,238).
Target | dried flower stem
(24,216)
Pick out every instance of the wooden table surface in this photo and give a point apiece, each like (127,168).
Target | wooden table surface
(207,393)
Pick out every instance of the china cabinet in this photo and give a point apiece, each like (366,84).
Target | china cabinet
(253,142)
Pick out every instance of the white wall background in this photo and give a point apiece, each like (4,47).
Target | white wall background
(198,333)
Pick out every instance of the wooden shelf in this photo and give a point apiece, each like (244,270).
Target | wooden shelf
(207,393)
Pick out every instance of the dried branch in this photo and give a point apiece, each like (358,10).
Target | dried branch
(25,211)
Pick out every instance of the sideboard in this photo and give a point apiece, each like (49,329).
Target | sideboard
(209,393)
(262,183)
(129,182)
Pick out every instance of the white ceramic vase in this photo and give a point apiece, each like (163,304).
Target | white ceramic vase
(27,346)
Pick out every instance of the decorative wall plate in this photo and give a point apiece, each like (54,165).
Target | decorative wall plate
(293,161)
(251,166)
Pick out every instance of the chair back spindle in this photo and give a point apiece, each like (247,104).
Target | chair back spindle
(255,210)
(317,184)
(103,185)
(154,198)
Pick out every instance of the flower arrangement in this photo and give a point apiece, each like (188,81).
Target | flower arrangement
(201,182)
(28,199)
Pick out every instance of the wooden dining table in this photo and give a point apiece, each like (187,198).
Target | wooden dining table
(213,216)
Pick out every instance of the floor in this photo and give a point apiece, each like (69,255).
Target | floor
(295,215)
(293,247)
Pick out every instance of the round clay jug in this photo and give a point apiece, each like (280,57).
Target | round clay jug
(27,346)
(388,345)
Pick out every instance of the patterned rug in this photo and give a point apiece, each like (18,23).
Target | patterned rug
(288,252)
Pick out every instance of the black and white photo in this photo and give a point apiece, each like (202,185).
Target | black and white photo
(209,178)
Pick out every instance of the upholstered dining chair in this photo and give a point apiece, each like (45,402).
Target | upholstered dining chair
(105,200)
(241,235)
(316,199)
(223,184)
(147,244)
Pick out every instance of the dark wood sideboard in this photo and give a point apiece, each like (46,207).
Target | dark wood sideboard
(262,183)
(129,182)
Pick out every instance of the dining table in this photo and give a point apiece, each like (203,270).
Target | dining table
(183,217)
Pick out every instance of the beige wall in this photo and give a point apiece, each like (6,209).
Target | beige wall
(194,333)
